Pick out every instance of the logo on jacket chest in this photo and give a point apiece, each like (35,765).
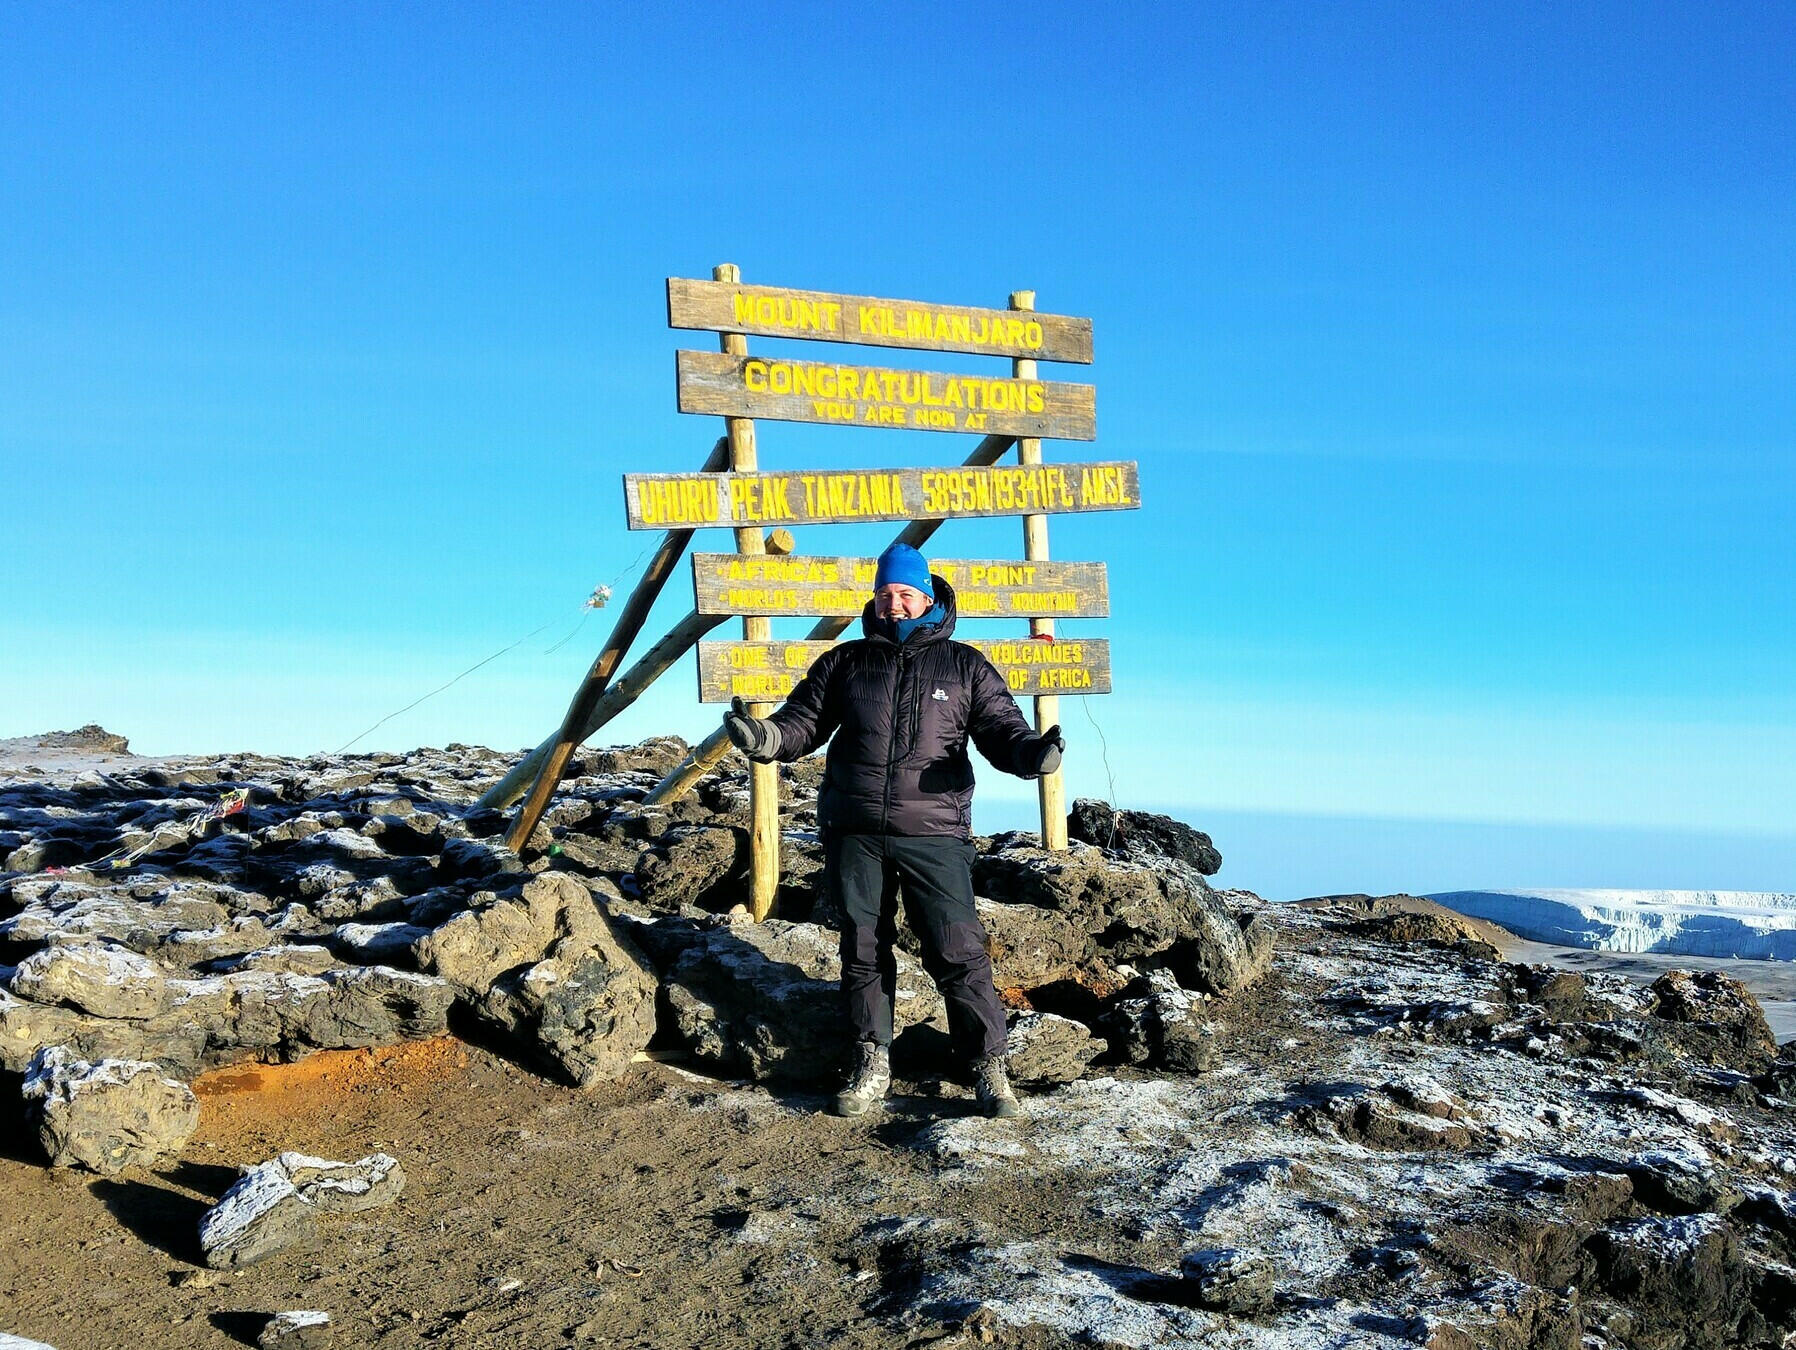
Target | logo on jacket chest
(939,696)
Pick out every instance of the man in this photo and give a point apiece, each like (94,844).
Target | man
(895,810)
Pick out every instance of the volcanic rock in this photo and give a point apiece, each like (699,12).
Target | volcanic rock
(497,935)
(699,865)
(1140,833)
(763,1000)
(108,1116)
(1229,1279)
(296,1330)
(1160,1024)
(276,1204)
(1718,1004)
(1132,912)
(587,1008)
(1046,1050)
(103,980)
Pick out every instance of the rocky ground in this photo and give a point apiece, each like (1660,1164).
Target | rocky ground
(337,1053)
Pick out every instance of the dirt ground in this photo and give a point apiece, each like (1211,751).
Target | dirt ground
(534,1215)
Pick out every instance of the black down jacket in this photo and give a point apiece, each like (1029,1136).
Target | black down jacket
(901,717)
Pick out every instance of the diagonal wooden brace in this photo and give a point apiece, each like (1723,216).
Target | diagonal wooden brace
(629,623)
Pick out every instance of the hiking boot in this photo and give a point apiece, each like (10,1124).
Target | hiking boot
(872,1077)
(993,1088)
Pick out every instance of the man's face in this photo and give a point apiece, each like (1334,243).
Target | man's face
(900,602)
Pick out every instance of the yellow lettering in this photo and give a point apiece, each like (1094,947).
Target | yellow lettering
(754,377)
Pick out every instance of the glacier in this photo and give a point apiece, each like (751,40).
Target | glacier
(1752,925)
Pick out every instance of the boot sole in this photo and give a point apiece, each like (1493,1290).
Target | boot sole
(851,1109)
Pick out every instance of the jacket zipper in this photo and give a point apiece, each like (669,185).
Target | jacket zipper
(885,817)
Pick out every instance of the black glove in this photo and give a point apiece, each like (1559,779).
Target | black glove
(755,737)
(1042,754)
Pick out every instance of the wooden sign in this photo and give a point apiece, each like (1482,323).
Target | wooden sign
(739,583)
(872,396)
(661,501)
(766,672)
(773,311)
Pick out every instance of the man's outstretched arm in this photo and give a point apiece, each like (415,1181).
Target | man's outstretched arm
(1003,736)
(797,727)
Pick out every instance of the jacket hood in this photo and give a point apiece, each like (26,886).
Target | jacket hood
(872,626)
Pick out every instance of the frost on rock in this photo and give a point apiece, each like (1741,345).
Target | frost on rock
(102,980)
(108,1116)
(295,1330)
(275,1204)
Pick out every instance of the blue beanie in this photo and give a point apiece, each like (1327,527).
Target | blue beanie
(902,565)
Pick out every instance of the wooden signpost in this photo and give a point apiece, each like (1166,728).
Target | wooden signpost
(819,316)
(986,588)
(663,501)
(757,584)
(772,670)
(874,396)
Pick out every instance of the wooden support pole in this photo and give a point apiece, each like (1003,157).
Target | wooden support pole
(625,689)
(708,753)
(1051,786)
(629,624)
(763,779)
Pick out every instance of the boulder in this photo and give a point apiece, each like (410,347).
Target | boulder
(276,1204)
(587,1009)
(108,1116)
(1046,1050)
(1131,912)
(1142,832)
(1681,1182)
(762,1000)
(106,981)
(1405,1115)
(299,1329)
(1159,1024)
(1031,946)
(497,935)
(1719,1005)
(658,755)
(388,944)
(1223,953)
(26,1028)
(253,1013)
(703,865)
(1227,1279)
(1676,1274)
(60,909)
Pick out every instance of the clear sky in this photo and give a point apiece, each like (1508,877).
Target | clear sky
(1456,343)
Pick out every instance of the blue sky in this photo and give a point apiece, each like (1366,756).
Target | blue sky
(1455,344)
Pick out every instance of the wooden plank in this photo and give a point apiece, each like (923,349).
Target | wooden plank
(768,671)
(659,501)
(785,390)
(734,583)
(823,316)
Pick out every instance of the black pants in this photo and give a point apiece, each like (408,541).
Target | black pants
(867,872)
